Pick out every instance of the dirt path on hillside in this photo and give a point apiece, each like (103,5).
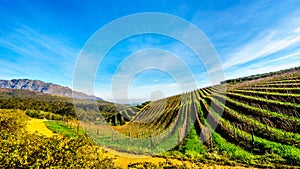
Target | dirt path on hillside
(38,125)
(124,159)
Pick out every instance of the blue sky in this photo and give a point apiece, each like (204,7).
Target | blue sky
(43,39)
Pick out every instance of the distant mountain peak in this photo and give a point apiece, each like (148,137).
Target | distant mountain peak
(43,87)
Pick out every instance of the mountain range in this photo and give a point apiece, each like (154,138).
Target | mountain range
(40,86)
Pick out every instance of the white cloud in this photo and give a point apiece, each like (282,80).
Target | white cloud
(260,48)
(268,42)
(288,56)
(39,56)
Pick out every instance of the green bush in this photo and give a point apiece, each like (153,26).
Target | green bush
(43,115)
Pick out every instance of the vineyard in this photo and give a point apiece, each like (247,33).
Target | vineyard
(254,122)
(248,123)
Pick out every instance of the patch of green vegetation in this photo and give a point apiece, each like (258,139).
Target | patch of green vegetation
(191,145)
(44,115)
(290,153)
(232,150)
(63,129)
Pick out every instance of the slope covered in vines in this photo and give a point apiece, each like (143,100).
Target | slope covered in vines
(252,122)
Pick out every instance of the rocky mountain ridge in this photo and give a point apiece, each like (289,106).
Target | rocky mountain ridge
(40,86)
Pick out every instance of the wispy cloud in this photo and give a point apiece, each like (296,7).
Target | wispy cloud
(36,55)
(290,56)
(266,43)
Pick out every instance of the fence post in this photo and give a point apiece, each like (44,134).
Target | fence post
(252,137)
(128,141)
(151,143)
(178,136)
(211,141)
(77,128)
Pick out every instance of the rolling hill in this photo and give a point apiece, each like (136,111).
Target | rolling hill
(254,121)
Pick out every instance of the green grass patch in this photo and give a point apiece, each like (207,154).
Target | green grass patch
(191,145)
(63,129)
(232,150)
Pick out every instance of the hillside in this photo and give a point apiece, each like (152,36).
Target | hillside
(255,122)
(40,86)
(63,106)
(252,122)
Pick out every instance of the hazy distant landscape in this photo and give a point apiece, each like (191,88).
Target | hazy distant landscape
(160,84)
